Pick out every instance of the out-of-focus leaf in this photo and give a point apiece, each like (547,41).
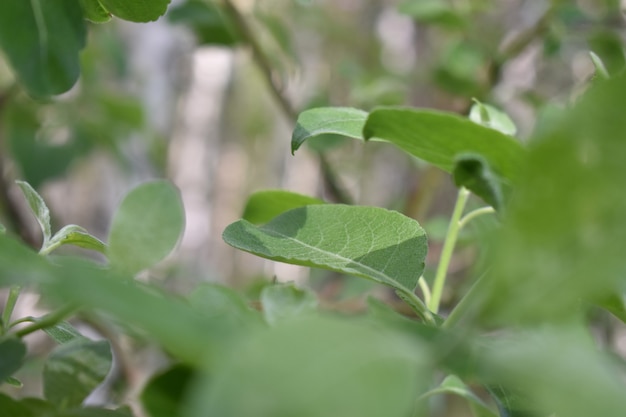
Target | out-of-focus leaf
(207,20)
(12,354)
(452,384)
(263,206)
(324,120)
(93,412)
(19,265)
(94,11)
(614,303)
(166,392)
(14,382)
(369,242)
(599,65)
(27,407)
(39,209)
(437,12)
(136,10)
(77,236)
(2,228)
(63,333)
(608,47)
(286,302)
(146,227)
(74,369)
(473,173)
(489,116)
(316,367)
(41,40)
(459,69)
(440,138)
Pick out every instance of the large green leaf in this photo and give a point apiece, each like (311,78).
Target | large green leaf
(42,39)
(166,392)
(316,368)
(12,354)
(440,138)
(74,369)
(94,11)
(146,227)
(27,407)
(343,121)
(136,10)
(285,302)
(19,264)
(263,206)
(374,243)
(473,173)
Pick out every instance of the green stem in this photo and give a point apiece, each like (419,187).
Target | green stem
(425,289)
(48,320)
(448,249)
(473,214)
(14,294)
(416,304)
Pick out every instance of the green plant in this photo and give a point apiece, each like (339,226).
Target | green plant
(519,342)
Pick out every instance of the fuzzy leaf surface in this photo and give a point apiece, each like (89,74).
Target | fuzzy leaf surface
(343,121)
(286,301)
(369,242)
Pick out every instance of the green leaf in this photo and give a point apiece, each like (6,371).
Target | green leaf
(136,10)
(437,12)
(12,354)
(63,333)
(14,382)
(93,412)
(28,407)
(19,264)
(166,392)
(473,173)
(263,206)
(316,368)
(41,40)
(452,384)
(208,22)
(39,209)
(440,138)
(285,302)
(369,242)
(77,236)
(324,120)
(614,303)
(146,227)
(74,369)
(94,11)
(599,65)
(489,116)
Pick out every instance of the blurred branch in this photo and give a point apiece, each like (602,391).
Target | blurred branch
(333,185)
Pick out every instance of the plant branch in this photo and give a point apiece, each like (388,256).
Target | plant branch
(48,320)
(473,214)
(448,249)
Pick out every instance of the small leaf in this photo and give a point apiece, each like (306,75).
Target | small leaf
(14,382)
(369,242)
(323,120)
(263,206)
(146,227)
(473,173)
(94,11)
(207,20)
(64,333)
(136,10)
(453,385)
(39,209)
(599,65)
(166,392)
(285,302)
(440,138)
(489,116)
(77,236)
(42,40)
(12,354)
(74,369)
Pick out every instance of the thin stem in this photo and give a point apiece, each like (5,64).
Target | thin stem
(14,294)
(48,320)
(473,214)
(417,305)
(448,249)
(425,290)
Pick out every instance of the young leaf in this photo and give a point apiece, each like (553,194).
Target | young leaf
(12,354)
(74,370)
(263,206)
(39,209)
(94,11)
(324,120)
(473,173)
(41,40)
(136,10)
(316,368)
(599,65)
(440,138)
(77,236)
(452,384)
(285,301)
(165,394)
(368,242)
(146,227)
(63,333)
(489,116)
